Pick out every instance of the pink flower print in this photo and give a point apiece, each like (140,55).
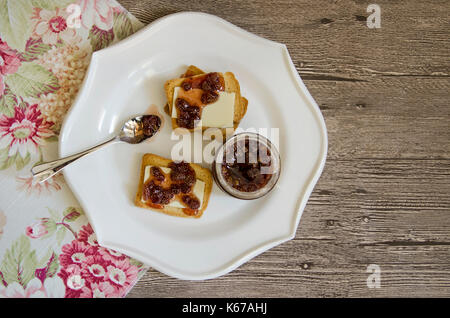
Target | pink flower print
(87,235)
(103,290)
(94,268)
(110,255)
(9,60)
(75,252)
(52,287)
(15,290)
(52,27)
(122,275)
(97,12)
(85,293)
(38,229)
(9,63)
(32,185)
(74,282)
(24,132)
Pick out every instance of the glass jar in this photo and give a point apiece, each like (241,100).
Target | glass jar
(247,166)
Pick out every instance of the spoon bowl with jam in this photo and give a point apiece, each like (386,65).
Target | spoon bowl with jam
(134,131)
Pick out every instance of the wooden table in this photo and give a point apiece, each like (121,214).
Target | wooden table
(384,195)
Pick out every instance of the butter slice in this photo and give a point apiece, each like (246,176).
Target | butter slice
(219,114)
(199,188)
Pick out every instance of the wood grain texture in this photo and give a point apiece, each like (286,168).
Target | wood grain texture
(384,195)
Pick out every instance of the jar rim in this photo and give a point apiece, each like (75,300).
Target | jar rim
(275,165)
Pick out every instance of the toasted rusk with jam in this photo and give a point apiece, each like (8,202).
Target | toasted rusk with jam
(201,189)
(214,115)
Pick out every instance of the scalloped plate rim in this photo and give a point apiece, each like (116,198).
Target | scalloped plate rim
(303,198)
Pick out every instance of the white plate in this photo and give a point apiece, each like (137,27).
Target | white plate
(125,79)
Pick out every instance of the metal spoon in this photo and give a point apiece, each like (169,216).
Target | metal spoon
(134,131)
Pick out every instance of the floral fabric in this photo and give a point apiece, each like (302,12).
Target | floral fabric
(47,246)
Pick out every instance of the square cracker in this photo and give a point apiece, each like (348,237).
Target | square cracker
(231,86)
(201,173)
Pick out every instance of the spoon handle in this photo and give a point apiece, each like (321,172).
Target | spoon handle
(44,171)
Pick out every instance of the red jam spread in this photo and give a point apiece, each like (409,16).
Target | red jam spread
(151,124)
(187,114)
(160,189)
(246,165)
(195,93)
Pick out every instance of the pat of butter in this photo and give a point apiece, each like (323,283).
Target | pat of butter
(199,188)
(219,114)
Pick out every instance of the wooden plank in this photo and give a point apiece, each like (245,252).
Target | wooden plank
(331,37)
(385,117)
(383,197)
(380,212)
(317,270)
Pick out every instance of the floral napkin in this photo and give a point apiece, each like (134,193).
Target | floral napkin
(47,246)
